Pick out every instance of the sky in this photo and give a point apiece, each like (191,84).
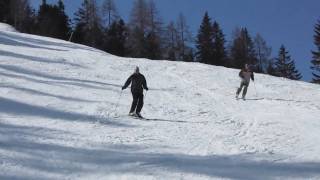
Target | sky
(287,22)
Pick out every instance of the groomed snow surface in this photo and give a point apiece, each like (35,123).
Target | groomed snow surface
(59,118)
(6,27)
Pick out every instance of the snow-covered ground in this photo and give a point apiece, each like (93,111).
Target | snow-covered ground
(6,27)
(59,119)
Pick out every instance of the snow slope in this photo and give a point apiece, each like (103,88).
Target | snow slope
(59,119)
(6,27)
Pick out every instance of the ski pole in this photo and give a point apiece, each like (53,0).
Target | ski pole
(118,101)
(255,89)
(145,94)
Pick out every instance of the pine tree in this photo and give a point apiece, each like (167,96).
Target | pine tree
(242,49)
(271,70)
(5,11)
(29,23)
(63,22)
(81,21)
(44,20)
(285,66)
(88,28)
(116,37)
(189,56)
(316,55)
(204,42)
(53,21)
(219,50)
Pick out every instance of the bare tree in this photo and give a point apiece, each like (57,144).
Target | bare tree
(184,35)
(138,27)
(242,49)
(18,12)
(263,52)
(155,22)
(93,15)
(170,41)
(110,11)
(172,34)
(139,15)
(145,30)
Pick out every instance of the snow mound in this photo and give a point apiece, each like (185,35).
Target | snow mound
(63,116)
(7,27)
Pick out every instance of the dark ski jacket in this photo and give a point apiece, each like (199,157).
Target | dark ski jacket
(246,75)
(138,83)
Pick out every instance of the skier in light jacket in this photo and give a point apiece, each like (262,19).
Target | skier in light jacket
(245,74)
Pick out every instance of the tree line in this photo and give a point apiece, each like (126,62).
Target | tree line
(146,35)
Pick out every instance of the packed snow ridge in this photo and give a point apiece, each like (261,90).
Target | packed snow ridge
(63,116)
(6,27)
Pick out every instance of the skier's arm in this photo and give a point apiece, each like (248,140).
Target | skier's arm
(127,83)
(144,84)
(252,76)
(240,74)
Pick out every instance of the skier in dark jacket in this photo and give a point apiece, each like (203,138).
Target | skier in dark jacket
(245,74)
(138,83)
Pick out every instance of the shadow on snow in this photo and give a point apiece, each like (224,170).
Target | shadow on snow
(21,73)
(31,42)
(112,160)
(12,107)
(38,59)
(40,93)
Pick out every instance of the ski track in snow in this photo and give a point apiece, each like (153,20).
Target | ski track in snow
(59,119)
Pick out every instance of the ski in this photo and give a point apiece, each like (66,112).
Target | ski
(238,98)
(137,117)
(131,116)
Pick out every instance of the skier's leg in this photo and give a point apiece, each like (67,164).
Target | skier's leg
(140,103)
(134,102)
(245,90)
(240,88)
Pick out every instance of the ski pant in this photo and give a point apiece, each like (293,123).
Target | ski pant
(137,102)
(244,84)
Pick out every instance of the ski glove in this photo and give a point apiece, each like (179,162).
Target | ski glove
(147,89)
(123,88)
